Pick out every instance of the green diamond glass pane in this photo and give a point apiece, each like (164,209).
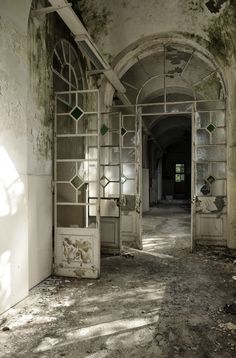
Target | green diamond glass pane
(123,131)
(211,128)
(104,181)
(104,129)
(77,182)
(77,113)
(210,179)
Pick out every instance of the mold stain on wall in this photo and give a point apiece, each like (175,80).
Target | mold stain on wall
(11,87)
(96,18)
(222,32)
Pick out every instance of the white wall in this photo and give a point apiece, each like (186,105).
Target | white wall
(14,281)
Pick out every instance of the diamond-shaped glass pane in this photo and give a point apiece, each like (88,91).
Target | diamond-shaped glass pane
(104,181)
(123,131)
(211,127)
(123,179)
(210,179)
(104,129)
(77,182)
(77,113)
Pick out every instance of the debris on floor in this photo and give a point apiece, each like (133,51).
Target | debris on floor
(127,254)
(166,304)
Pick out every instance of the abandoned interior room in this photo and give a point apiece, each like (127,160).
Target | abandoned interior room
(118,178)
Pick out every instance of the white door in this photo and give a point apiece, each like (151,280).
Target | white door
(209,189)
(131,180)
(110,186)
(76,177)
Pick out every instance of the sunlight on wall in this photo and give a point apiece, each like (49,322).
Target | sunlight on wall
(5,277)
(11,187)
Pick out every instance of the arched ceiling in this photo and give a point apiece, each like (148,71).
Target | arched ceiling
(169,129)
(173,73)
(172,69)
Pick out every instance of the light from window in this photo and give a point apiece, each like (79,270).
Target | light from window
(179,173)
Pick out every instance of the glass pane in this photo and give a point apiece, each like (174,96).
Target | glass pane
(129,122)
(127,155)
(74,148)
(110,138)
(92,208)
(202,137)
(65,101)
(179,107)
(129,139)
(88,101)
(111,121)
(87,171)
(65,125)
(112,173)
(218,136)
(65,171)
(92,153)
(218,188)
(129,170)
(202,171)
(179,168)
(179,178)
(109,155)
(128,187)
(81,194)
(92,190)
(77,182)
(76,113)
(87,124)
(202,120)
(109,208)
(218,118)
(92,171)
(153,109)
(66,193)
(72,216)
(219,170)
(212,153)
(112,190)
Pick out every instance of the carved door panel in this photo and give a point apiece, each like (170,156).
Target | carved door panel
(76,176)
(209,174)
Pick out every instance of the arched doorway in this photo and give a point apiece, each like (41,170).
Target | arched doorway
(176,88)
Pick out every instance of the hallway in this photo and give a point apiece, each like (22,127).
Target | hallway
(159,302)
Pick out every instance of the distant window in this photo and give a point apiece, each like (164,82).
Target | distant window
(179,173)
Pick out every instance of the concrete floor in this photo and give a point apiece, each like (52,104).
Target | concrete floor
(161,302)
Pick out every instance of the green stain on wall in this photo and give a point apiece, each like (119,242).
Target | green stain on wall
(222,33)
(95,18)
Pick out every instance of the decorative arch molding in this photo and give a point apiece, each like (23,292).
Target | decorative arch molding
(150,45)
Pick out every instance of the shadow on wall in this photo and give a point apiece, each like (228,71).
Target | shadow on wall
(11,194)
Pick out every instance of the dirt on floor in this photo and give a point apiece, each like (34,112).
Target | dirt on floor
(160,302)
